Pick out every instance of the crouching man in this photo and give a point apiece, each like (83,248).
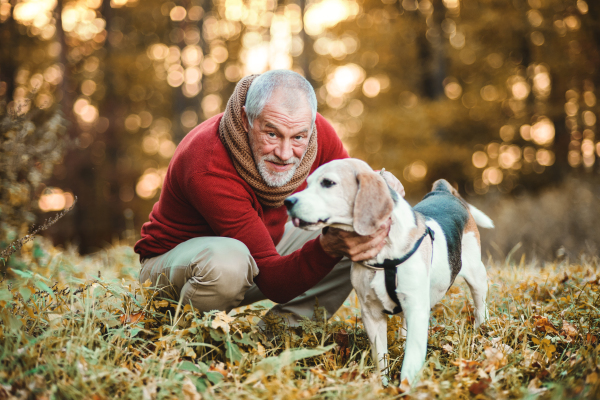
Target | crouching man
(218,235)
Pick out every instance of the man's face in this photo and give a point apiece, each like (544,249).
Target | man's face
(279,137)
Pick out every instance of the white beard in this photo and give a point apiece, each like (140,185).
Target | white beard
(272,178)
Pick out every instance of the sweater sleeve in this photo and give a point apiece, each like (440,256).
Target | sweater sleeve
(228,209)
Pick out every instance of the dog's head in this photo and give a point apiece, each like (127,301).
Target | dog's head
(342,192)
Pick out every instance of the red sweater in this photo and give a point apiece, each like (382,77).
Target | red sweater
(203,195)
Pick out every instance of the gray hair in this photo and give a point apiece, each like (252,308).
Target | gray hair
(263,86)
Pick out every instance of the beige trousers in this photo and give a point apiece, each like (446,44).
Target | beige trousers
(217,273)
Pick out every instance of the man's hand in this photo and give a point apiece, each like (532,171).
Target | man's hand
(338,243)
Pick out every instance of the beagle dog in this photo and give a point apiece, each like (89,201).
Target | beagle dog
(428,246)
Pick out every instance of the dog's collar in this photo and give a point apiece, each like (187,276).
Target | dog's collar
(389,267)
(394,262)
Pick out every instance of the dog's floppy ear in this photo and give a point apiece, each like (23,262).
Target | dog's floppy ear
(373,204)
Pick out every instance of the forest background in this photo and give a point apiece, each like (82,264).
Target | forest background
(496,96)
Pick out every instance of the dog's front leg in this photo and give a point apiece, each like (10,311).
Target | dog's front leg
(374,320)
(413,293)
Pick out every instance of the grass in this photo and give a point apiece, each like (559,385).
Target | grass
(82,327)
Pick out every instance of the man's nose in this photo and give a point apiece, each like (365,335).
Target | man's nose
(284,150)
(289,202)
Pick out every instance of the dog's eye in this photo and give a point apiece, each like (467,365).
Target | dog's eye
(326,183)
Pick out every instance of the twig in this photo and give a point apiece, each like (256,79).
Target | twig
(17,244)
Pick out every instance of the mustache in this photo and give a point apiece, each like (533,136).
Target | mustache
(274,158)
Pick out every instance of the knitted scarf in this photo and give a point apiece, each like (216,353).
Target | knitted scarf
(235,139)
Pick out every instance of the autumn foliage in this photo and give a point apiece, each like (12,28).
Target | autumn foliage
(85,327)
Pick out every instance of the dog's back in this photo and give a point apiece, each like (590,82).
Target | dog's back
(445,206)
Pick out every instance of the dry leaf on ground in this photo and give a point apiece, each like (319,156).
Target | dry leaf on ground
(404,386)
(480,386)
(220,368)
(494,359)
(131,318)
(222,320)
(542,324)
(569,331)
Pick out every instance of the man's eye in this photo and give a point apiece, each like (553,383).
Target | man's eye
(326,183)
(271,134)
(299,137)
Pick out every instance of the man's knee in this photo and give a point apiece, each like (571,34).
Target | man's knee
(226,266)
(223,254)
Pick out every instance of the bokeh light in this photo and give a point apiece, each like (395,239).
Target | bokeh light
(479,159)
(55,199)
(150,182)
(415,171)
(328,13)
(542,132)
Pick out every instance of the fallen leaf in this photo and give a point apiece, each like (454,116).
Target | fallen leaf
(592,378)
(222,321)
(495,359)
(131,318)
(497,343)
(261,349)
(532,357)
(448,348)
(189,352)
(542,374)
(545,345)
(161,303)
(535,386)
(590,339)
(534,383)
(404,386)
(350,376)
(569,331)
(542,324)
(220,368)
(466,367)
(480,386)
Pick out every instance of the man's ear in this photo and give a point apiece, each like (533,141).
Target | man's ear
(373,204)
(245,119)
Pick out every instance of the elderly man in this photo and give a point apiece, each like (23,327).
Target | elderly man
(218,234)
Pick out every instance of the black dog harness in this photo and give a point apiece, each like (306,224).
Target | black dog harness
(390,269)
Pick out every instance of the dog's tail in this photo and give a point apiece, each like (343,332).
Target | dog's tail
(480,218)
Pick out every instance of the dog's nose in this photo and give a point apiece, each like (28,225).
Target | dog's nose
(289,202)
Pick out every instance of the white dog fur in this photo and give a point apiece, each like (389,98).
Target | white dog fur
(349,195)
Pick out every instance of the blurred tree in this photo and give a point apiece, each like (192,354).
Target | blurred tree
(484,104)
(32,143)
(494,96)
